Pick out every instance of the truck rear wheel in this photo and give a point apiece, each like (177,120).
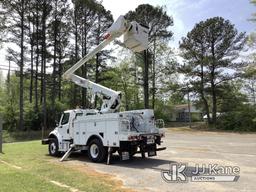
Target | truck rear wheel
(53,147)
(97,152)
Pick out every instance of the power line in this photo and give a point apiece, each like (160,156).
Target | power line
(8,65)
(8,69)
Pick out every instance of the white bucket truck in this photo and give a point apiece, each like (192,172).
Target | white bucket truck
(105,131)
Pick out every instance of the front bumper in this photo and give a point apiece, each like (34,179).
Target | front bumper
(45,141)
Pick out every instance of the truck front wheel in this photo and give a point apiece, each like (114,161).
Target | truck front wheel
(53,147)
(97,152)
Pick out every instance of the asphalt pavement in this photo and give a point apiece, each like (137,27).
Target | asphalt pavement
(193,149)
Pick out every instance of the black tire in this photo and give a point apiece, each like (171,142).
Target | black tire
(53,147)
(96,151)
(114,150)
(134,150)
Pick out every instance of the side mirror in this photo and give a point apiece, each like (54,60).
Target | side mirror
(56,123)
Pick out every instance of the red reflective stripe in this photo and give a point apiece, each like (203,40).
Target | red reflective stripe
(107,36)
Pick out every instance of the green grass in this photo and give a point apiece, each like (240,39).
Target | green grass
(38,169)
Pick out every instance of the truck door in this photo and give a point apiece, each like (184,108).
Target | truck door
(64,126)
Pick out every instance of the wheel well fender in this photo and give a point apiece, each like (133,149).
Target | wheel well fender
(93,137)
(53,136)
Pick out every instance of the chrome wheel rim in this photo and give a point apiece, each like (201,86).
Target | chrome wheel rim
(53,148)
(94,150)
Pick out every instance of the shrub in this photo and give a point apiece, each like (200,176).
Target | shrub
(242,119)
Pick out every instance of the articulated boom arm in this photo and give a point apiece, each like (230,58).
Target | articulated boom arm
(135,38)
(111,98)
(116,30)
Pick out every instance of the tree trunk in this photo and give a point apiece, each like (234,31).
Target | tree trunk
(126,96)
(253,91)
(37,58)
(75,103)
(21,122)
(214,100)
(8,78)
(136,94)
(145,78)
(206,106)
(60,72)
(31,63)
(43,67)
(213,88)
(54,57)
(96,77)
(84,90)
(53,95)
(97,59)
(189,108)
(84,68)
(154,75)
(42,72)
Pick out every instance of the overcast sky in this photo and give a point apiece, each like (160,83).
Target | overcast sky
(186,13)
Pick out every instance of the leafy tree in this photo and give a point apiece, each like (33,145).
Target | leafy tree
(123,75)
(250,71)
(85,17)
(210,51)
(36,38)
(250,82)
(236,113)
(15,11)
(3,26)
(156,18)
(158,21)
(253,19)
(104,19)
(56,27)
(10,101)
(165,74)
(59,31)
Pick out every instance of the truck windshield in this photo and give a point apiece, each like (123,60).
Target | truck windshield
(65,119)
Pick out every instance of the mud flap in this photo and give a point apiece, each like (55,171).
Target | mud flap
(125,155)
(151,153)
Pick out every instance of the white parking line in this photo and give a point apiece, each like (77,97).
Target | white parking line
(64,186)
(11,165)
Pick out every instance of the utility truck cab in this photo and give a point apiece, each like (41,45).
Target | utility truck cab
(105,131)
